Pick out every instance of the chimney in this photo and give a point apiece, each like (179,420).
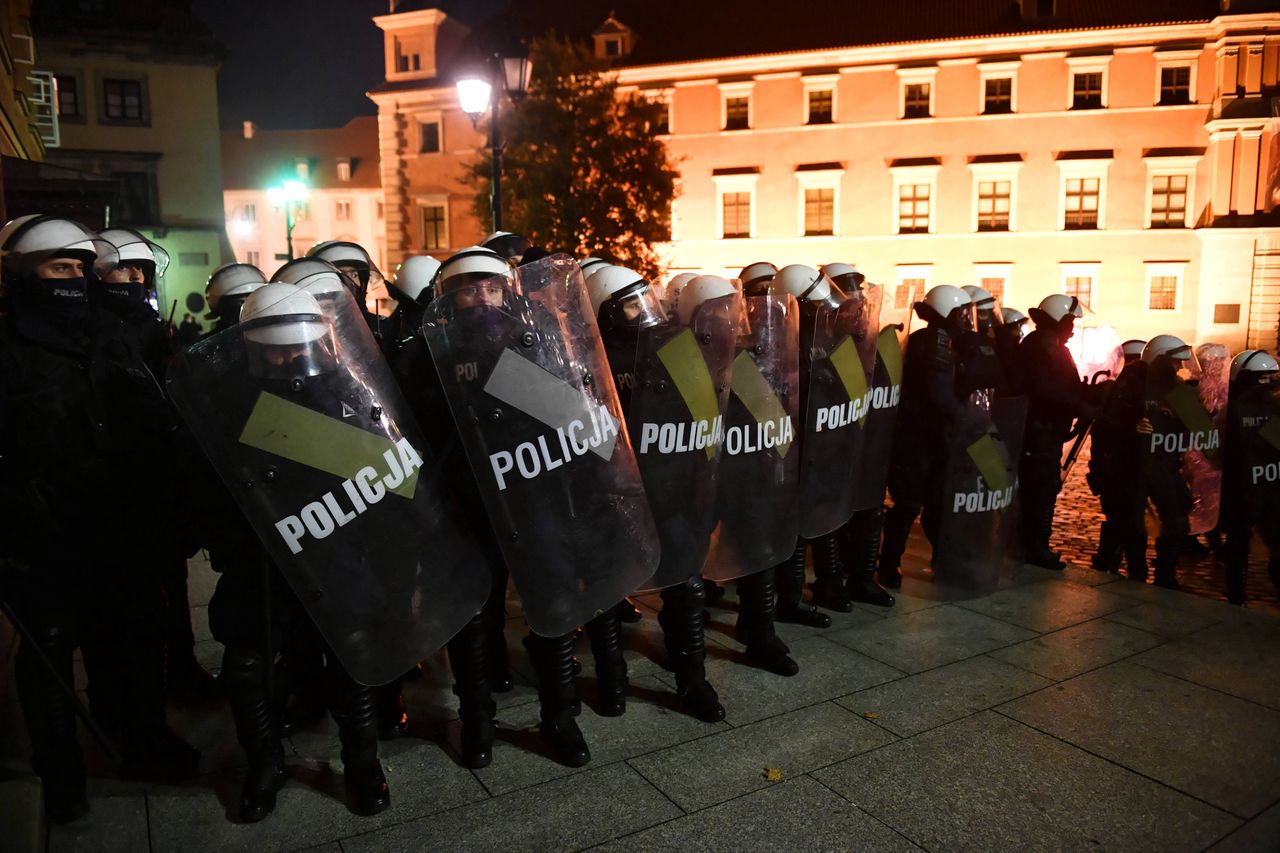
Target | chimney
(250,129)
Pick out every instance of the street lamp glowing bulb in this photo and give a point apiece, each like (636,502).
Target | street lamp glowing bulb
(473,95)
(242,227)
(295,191)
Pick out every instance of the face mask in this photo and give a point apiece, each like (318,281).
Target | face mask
(65,300)
(125,291)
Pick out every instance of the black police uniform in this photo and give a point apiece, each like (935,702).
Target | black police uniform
(1115,474)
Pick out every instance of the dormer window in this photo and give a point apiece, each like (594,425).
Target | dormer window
(408,59)
(613,47)
(344,169)
(303,168)
(613,39)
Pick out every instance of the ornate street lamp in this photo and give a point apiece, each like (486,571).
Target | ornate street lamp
(286,195)
(476,95)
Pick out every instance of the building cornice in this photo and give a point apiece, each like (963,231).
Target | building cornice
(403,20)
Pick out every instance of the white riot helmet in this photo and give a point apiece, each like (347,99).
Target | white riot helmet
(981,299)
(701,289)
(845,275)
(1171,346)
(755,277)
(285,333)
(414,277)
(134,250)
(674,286)
(1254,361)
(587,265)
(943,301)
(321,279)
(29,241)
(1055,306)
(511,247)
(353,261)
(622,299)
(228,288)
(1132,349)
(1013,316)
(471,265)
(807,285)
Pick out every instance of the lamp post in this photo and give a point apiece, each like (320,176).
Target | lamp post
(289,193)
(476,95)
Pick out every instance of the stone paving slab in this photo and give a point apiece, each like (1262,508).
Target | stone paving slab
(990,783)
(738,760)
(1215,747)
(1240,658)
(1166,623)
(1079,648)
(118,821)
(565,814)
(792,815)
(929,638)
(1048,606)
(1260,835)
(917,703)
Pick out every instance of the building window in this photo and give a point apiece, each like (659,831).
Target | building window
(68,95)
(407,58)
(663,125)
(1080,287)
(613,47)
(122,100)
(915,98)
(1080,203)
(249,213)
(433,227)
(1226,313)
(378,210)
(429,137)
(737,113)
(912,281)
(342,210)
(1162,294)
(1175,85)
(344,170)
(193,259)
(819,212)
(994,286)
(1169,201)
(1086,90)
(997,96)
(821,106)
(253,258)
(913,208)
(736,209)
(994,205)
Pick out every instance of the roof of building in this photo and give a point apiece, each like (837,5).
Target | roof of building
(157,29)
(273,154)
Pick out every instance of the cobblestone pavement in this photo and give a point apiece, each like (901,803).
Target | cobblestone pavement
(1075,535)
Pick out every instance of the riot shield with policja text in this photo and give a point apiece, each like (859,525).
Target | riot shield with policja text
(1182,458)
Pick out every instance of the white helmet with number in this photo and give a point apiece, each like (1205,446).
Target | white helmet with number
(1058,305)
(1253,361)
(699,290)
(300,319)
(946,298)
(1168,345)
(415,275)
(674,286)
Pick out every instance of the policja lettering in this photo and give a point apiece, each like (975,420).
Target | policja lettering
(982,499)
(836,417)
(532,458)
(763,435)
(673,438)
(320,518)
(1268,473)
(1181,442)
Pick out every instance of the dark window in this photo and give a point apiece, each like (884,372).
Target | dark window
(193,259)
(433,236)
(993,205)
(820,102)
(1081,287)
(737,214)
(1226,313)
(998,96)
(913,209)
(1086,91)
(430,137)
(406,61)
(135,198)
(1169,201)
(1082,203)
(737,112)
(1175,85)
(916,101)
(122,100)
(1044,8)
(68,96)
(1164,293)
(612,47)
(819,212)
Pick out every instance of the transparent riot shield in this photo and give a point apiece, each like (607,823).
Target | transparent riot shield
(897,306)
(525,373)
(1182,457)
(1205,468)
(758,496)
(975,518)
(1100,373)
(302,419)
(882,414)
(1258,416)
(840,356)
(676,420)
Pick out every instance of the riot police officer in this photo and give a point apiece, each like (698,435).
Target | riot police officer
(1057,397)
(1121,538)
(1250,470)
(360,274)
(228,287)
(929,405)
(126,288)
(508,246)
(413,291)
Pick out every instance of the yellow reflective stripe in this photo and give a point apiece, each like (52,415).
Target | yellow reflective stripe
(844,358)
(986,455)
(688,370)
(757,395)
(1186,404)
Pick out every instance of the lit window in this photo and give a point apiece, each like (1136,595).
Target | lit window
(994,286)
(916,100)
(342,210)
(736,207)
(1080,203)
(1175,85)
(433,227)
(122,100)
(913,208)
(68,96)
(993,205)
(1163,293)
(250,213)
(820,106)
(1168,201)
(902,294)
(737,113)
(429,137)
(1086,90)
(997,96)
(819,212)
(378,210)
(912,282)
(253,258)
(344,170)
(1079,286)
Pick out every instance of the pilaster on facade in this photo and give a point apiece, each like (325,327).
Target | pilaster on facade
(395,190)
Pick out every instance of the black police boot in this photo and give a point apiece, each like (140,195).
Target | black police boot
(1167,549)
(355,711)
(755,625)
(1273,571)
(627,612)
(499,659)
(897,530)
(863,547)
(605,633)
(1038,527)
(51,724)
(244,674)
(682,628)
(1110,551)
(829,574)
(552,659)
(1236,589)
(393,714)
(791,607)
(713,591)
(468,658)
